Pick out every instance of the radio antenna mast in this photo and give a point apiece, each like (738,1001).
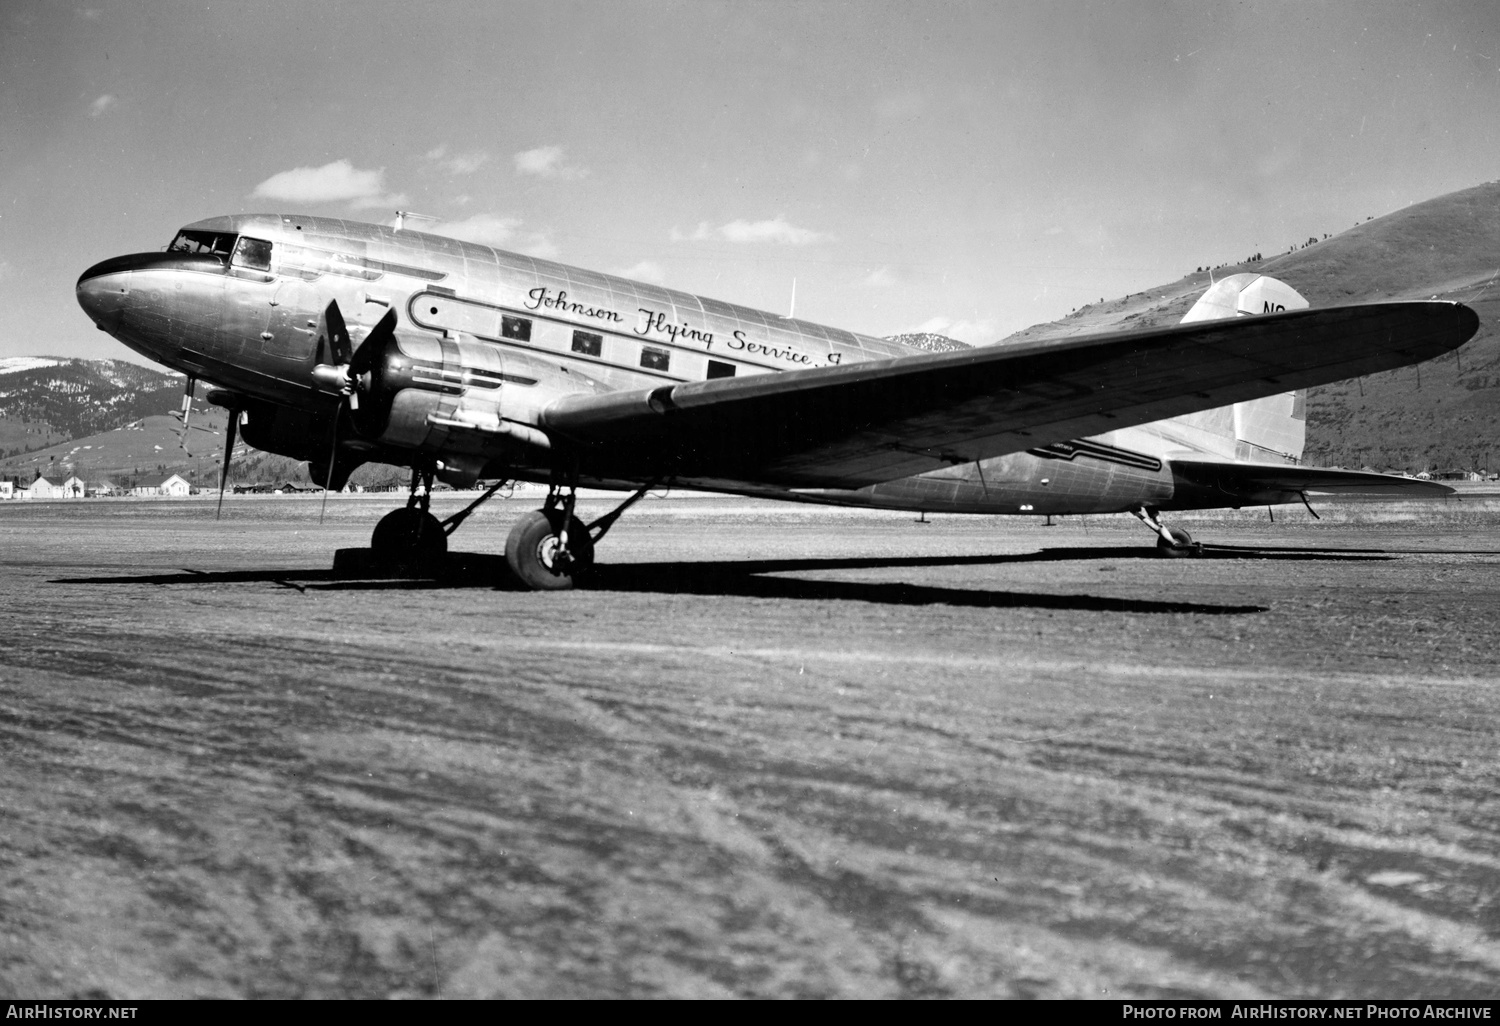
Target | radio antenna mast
(402,215)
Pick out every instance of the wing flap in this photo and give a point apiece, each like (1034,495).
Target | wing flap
(847,427)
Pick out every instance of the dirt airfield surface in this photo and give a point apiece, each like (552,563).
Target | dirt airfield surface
(771,751)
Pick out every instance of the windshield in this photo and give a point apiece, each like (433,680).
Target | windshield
(220,244)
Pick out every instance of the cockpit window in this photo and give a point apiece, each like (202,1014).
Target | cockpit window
(254,254)
(220,244)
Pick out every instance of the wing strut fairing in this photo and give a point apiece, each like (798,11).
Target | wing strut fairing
(848,427)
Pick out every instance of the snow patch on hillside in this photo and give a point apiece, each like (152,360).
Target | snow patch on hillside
(16,364)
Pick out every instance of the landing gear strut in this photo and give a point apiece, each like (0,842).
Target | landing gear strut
(548,549)
(1171,542)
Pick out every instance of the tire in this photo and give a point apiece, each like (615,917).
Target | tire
(531,550)
(1180,545)
(409,535)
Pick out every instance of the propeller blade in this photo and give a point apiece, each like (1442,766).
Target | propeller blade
(340,349)
(229,430)
(333,453)
(375,344)
(384,328)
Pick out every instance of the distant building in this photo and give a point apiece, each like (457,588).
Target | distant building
(7,488)
(44,488)
(74,487)
(173,485)
(99,488)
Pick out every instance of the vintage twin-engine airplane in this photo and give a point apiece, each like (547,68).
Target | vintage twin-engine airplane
(342,343)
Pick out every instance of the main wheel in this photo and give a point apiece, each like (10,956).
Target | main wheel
(1180,545)
(409,534)
(535,554)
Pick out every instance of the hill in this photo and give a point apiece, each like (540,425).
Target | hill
(1443,415)
(44,401)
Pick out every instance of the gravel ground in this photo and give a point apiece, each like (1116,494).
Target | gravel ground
(772,751)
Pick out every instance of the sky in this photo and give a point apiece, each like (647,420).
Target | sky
(964,168)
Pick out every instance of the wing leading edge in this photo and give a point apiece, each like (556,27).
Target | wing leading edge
(848,427)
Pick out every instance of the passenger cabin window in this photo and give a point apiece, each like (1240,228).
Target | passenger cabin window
(719,369)
(219,244)
(518,328)
(253,254)
(655,359)
(587,343)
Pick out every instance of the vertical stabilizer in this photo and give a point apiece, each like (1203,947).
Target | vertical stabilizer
(1244,295)
(1273,429)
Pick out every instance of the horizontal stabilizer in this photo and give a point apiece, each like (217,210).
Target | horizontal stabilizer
(860,424)
(1203,484)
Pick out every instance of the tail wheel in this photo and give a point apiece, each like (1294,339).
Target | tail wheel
(536,554)
(1180,545)
(409,534)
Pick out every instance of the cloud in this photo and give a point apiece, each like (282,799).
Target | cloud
(646,270)
(979,332)
(101,105)
(457,163)
(500,232)
(338,182)
(777,230)
(547,162)
(880,278)
(703,232)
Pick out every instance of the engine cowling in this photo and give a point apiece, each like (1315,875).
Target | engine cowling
(456,396)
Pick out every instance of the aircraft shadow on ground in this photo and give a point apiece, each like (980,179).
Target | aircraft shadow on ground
(761,578)
(756,579)
(745,580)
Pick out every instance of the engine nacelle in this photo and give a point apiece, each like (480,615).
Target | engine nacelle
(461,399)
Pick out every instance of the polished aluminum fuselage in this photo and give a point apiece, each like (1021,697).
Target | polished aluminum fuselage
(254,332)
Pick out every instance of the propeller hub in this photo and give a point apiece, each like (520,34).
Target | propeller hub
(333,379)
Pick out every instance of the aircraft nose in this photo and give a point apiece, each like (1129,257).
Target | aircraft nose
(102,291)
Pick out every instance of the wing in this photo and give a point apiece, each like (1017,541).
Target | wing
(847,427)
(1201,484)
